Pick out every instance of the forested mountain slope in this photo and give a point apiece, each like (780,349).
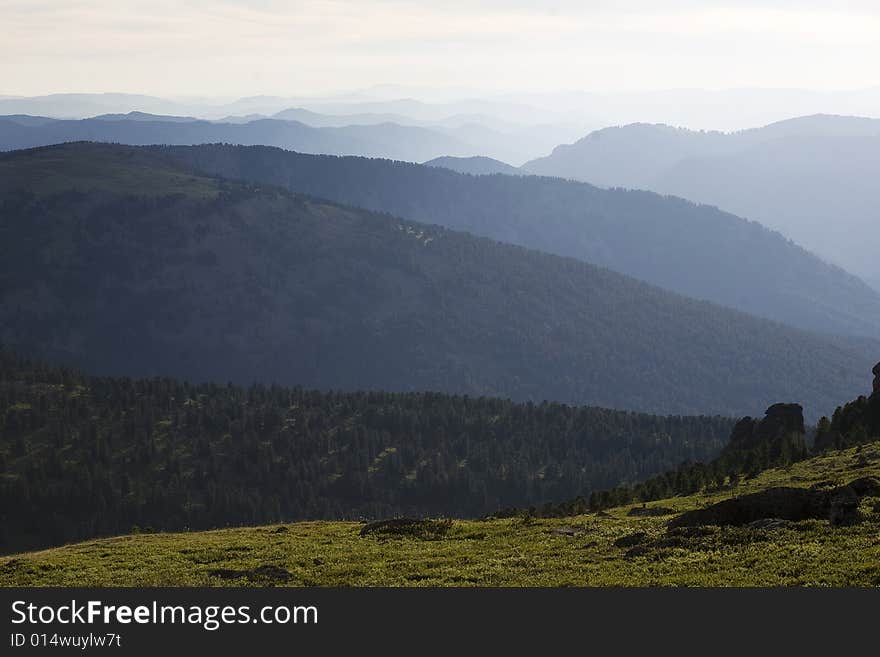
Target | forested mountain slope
(85,456)
(695,250)
(114,260)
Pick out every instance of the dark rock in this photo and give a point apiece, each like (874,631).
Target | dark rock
(783,502)
(876,373)
(788,417)
(630,540)
(844,507)
(840,505)
(865,486)
(652,511)
(280,530)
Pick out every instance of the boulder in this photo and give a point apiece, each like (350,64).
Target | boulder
(865,486)
(783,502)
(844,508)
(840,505)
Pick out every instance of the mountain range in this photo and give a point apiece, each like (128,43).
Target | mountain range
(813,178)
(128,261)
(386,134)
(388,140)
(694,250)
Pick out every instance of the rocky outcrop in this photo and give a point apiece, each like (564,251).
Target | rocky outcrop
(839,505)
(780,435)
(780,421)
(876,372)
(783,502)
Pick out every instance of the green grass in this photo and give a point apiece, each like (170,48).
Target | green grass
(109,168)
(509,552)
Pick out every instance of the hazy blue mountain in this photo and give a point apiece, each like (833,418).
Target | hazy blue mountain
(144,116)
(27,119)
(824,192)
(126,261)
(477,166)
(695,250)
(635,155)
(318,120)
(813,178)
(506,131)
(382,140)
(628,156)
(485,136)
(83,105)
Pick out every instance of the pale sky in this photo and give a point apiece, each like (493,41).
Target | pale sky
(247,47)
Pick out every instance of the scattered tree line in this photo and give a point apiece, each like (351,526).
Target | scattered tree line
(777,440)
(852,424)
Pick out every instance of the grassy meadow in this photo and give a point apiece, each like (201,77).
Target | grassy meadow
(588,550)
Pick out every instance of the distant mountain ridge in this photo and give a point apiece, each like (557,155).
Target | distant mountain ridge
(124,260)
(389,135)
(477,166)
(387,140)
(694,250)
(814,178)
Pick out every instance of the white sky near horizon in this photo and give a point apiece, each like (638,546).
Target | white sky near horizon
(228,48)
